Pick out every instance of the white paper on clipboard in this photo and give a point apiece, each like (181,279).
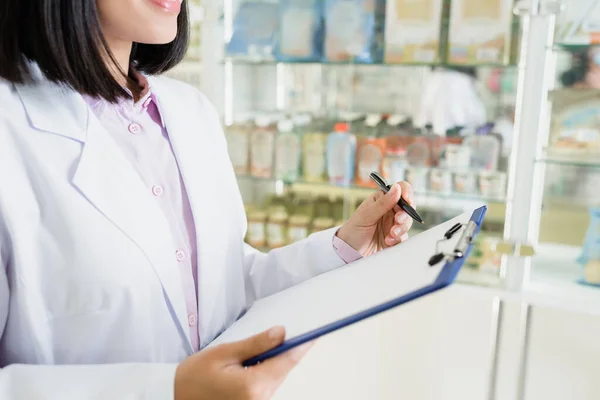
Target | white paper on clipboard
(336,294)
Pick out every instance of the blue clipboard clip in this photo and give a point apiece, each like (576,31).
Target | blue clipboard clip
(465,241)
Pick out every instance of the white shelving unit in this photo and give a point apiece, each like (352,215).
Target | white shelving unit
(510,312)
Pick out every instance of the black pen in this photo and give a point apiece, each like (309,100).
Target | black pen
(383,185)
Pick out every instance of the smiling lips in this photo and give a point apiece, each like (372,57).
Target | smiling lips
(171,6)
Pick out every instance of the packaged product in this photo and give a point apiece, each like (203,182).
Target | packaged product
(574,129)
(412,31)
(480,31)
(590,255)
(262,143)
(485,151)
(255,29)
(298,228)
(341,149)
(492,184)
(238,144)
(417,177)
(395,164)
(314,148)
(465,182)
(579,23)
(256,236)
(354,30)
(322,224)
(440,180)
(277,229)
(418,152)
(457,157)
(369,158)
(287,152)
(301,30)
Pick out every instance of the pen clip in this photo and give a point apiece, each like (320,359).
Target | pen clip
(383,185)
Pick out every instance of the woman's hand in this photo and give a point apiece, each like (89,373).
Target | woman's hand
(218,374)
(379,222)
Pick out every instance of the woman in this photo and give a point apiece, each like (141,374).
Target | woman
(121,225)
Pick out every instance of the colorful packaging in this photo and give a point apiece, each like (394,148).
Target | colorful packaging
(341,149)
(480,31)
(492,184)
(369,158)
(465,182)
(590,255)
(287,152)
(262,148)
(485,151)
(255,30)
(354,30)
(440,180)
(314,150)
(417,177)
(412,31)
(579,23)
(238,145)
(394,165)
(301,30)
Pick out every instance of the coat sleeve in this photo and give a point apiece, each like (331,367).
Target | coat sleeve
(85,382)
(269,273)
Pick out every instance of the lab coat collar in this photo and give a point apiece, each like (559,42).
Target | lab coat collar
(53,107)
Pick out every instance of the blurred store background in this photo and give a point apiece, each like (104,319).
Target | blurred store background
(471,101)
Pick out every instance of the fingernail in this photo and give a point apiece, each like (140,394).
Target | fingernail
(397,231)
(402,218)
(276,333)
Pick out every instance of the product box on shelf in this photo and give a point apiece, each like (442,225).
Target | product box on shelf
(255,29)
(354,30)
(480,31)
(579,23)
(412,31)
(574,129)
(301,30)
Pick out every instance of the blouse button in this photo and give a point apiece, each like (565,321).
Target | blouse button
(134,128)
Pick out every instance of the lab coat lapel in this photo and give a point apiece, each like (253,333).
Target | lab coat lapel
(108,181)
(188,130)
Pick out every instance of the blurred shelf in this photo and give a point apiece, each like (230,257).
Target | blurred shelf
(573,47)
(242,61)
(587,161)
(570,202)
(468,276)
(554,281)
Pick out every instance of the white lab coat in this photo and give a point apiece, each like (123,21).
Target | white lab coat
(88,273)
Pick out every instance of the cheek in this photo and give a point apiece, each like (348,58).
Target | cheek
(136,21)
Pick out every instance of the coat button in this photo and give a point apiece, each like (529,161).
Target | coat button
(157,190)
(134,128)
(192,319)
(180,255)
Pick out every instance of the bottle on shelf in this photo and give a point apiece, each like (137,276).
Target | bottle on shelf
(238,143)
(287,152)
(370,151)
(262,143)
(314,153)
(323,215)
(341,148)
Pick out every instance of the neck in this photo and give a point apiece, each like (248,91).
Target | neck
(121,51)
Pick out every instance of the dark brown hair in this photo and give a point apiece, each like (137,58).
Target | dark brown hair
(65,39)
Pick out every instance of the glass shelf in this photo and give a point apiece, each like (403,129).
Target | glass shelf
(556,280)
(571,161)
(243,61)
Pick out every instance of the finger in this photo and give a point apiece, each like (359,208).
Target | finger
(241,351)
(407,193)
(275,369)
(384,204)
(397,231)
(401,217)
(404,237)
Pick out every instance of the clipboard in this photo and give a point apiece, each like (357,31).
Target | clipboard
(363,289)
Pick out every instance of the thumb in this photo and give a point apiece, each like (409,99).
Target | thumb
(255,345)
(384,204)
